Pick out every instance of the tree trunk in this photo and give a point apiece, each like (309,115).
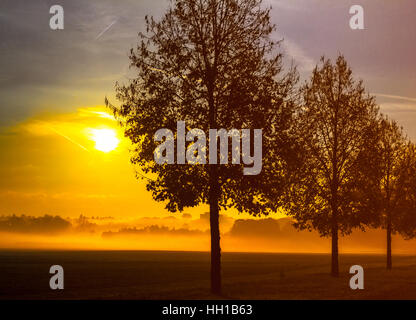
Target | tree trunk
(214,191)
(389,260)
(334,237)
(334,201)
(215,232)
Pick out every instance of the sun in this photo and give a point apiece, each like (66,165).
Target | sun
(105,139)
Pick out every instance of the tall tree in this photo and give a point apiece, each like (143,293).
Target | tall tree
(213,65)
(333,125)
(386,171)
(405,223)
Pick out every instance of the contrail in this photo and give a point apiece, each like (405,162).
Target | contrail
(395,97)
(106,29)
(69,139)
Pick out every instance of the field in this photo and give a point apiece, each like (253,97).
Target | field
(185,275)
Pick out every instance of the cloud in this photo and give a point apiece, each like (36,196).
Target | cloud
(391,108)
(404,113)
(389,96)
(65,68)
(73,127)
(294,51)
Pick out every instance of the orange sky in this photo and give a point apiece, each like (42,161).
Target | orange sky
(50,164)
(56,164)
(53,84)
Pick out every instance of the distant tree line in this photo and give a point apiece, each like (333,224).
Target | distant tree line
(28,224)
(331,160)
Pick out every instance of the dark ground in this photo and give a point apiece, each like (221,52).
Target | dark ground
(185,275)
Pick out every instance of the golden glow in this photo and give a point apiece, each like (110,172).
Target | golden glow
(105,139)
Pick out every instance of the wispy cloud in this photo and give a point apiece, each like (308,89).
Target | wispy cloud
(395,97)
(301,58)
(398,107)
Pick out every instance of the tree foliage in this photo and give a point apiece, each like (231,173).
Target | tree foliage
(213,65)
(334,123)
(388,171)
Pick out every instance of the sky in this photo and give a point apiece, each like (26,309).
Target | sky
(53,84)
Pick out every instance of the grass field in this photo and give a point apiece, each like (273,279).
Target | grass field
(185,275)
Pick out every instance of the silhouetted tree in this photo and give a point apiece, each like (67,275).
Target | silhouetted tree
(213,65)
(333,125)
(405,223)
(387,178)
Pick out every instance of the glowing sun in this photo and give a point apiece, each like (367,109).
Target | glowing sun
(105,139)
